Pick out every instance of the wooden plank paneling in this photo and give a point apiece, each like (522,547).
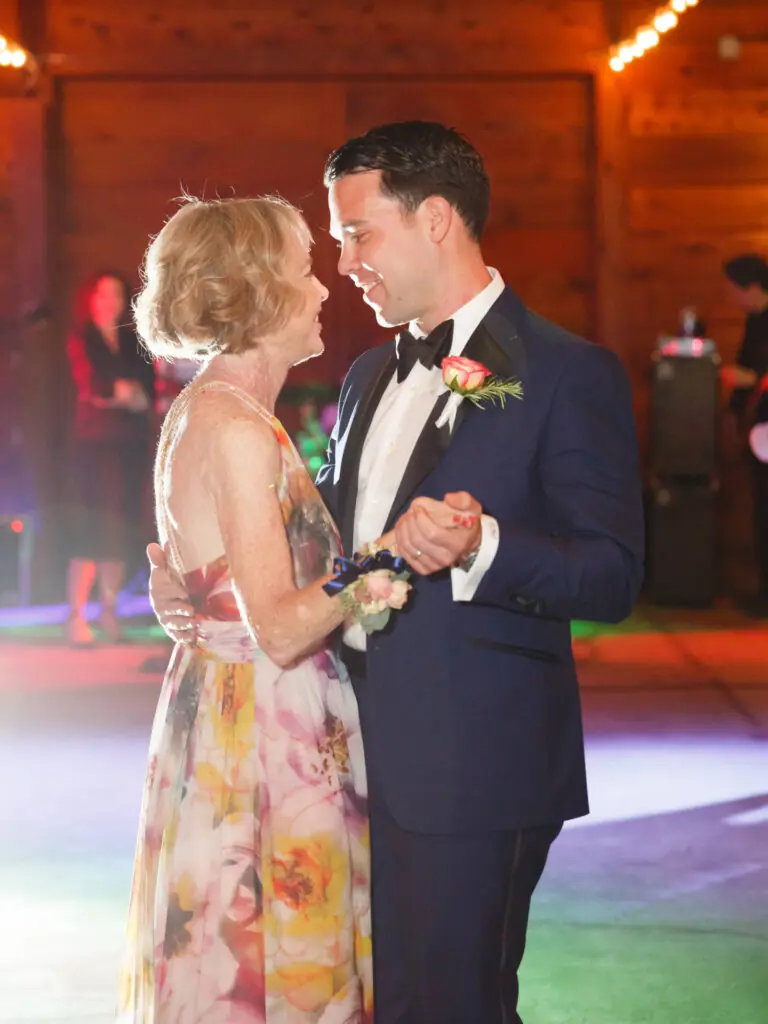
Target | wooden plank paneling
(732,207)
(698,169)
(131,147)
(698,112)
(336,37)
(7,239)
(29,183)
(9,18)
(695,160)
(611,214)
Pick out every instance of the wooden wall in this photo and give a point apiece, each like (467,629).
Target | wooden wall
(615,197)
(132,146)
(697,167)
(696,192)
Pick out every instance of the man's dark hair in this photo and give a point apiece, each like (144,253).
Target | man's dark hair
(747,270)
(419,159)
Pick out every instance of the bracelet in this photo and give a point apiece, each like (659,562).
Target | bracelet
(371,586)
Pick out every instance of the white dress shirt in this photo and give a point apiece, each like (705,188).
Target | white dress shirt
(395,428)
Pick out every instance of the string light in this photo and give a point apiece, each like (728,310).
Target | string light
(647,36)
(12,55)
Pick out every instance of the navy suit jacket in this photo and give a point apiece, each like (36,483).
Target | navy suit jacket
(474,719)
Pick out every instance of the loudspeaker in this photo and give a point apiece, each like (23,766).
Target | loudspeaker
(684,405)
(681,543)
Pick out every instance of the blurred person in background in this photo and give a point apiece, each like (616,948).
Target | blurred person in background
(112,424)
(747,278)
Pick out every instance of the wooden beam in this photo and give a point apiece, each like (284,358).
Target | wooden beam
(610,108)
(28,182)
(37,340)
(32,21)
(9,18)
(31,336)
(612,18)
(270,63)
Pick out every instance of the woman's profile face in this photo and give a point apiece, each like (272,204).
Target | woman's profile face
(107,301)
(303,333)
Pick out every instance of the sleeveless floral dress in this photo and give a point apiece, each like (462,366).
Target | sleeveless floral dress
(250,897)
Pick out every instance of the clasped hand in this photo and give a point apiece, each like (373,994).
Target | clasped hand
(434,535)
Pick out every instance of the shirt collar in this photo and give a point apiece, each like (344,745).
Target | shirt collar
(468,317)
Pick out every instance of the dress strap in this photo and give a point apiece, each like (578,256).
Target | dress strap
(168,438)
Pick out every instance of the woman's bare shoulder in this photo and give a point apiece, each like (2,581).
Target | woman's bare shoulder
(220,428)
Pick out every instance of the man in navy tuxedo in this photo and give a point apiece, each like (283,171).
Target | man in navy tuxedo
(469,700)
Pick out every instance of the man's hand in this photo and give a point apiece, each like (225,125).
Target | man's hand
(434,535)
(169,599)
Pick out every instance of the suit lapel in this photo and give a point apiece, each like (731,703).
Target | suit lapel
(501,359)
(353,448)
(498,346)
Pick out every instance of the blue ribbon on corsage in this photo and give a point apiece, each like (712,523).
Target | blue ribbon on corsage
(349,570)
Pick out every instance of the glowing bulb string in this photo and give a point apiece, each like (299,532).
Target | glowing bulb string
(12,55)
(648,36)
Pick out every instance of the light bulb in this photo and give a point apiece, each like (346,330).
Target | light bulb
(647,37)
(665,21)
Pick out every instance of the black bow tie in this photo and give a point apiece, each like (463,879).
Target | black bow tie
(429,351)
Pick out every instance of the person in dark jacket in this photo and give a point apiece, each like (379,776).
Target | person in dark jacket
(747,277)
(114,383)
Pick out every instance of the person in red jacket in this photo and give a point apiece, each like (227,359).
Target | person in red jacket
(114,385)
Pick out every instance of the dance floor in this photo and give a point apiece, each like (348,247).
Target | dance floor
(654,909)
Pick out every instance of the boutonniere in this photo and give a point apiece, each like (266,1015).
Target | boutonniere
(465,378)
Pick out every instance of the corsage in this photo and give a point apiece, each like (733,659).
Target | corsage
(372,584)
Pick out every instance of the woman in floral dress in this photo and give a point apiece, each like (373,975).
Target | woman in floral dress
(250,899)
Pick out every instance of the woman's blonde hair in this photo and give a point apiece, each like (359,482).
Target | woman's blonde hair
(214,279)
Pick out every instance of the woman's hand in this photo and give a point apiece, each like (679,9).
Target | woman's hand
(169,598)
(735,376)
(130,395)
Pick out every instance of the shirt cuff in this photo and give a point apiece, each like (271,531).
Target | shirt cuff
(465,584)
